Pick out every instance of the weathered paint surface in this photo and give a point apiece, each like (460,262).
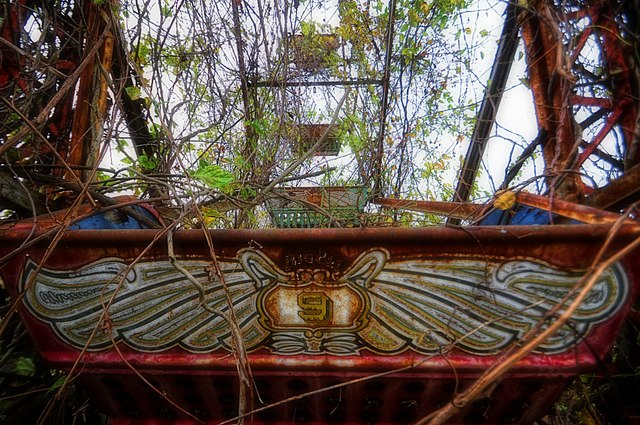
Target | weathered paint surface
(378,303)
(318,307)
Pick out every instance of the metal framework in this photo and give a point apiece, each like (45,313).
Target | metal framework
(322,311)
(560,40)
(71,98)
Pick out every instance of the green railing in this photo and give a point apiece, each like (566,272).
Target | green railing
(310,207)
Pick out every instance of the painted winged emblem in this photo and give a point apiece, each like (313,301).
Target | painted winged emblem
(377,303)
(151,305)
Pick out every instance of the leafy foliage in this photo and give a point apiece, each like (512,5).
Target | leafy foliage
(213,176)
(202,83)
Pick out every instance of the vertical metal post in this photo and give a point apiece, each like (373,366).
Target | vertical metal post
(486,116)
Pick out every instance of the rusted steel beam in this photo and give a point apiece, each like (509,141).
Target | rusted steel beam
(11,56)
(458,210)
(461,211)
(58,113)
(70,82)
(81,132)
(622,102)
(609,124)
(624,83)
(619,192)
(583,213)
(551,85)
(99,108)
(591,101)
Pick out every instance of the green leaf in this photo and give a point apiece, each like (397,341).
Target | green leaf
(25,366)
(259,126)
(307,28)
(213,176)
(133,92)
(59,382)
(147,163)
(247,193)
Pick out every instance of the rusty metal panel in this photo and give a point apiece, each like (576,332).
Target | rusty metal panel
(316,308)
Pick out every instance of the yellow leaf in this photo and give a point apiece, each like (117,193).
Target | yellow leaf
(504,200)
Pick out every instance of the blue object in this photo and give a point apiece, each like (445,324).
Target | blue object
(114,219)
(529,216)
(520,215)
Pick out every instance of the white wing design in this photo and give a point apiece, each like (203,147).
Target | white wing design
(154,306)
(481,306)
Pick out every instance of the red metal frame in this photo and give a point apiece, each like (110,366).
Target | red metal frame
(66,112)
(206,384)
(623,101)
(397,388)
(552,84)
(11,62)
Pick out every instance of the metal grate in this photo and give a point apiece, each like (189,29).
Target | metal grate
(336,205)
(381,401)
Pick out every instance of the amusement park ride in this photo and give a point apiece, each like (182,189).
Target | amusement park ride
(482,323)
